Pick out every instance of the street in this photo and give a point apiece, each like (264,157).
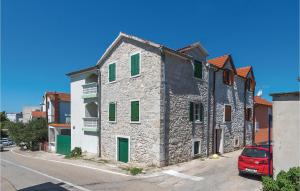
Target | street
(26,173)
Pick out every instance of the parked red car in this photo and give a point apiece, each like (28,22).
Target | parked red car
(254,160)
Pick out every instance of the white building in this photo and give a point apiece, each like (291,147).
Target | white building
(286,131)
(27,112)
(14,117)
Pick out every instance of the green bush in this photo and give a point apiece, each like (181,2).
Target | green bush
(76,152)
(285,181)
(135,170)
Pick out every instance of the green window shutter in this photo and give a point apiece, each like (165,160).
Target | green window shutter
(135,111)
(112,112)
(112,72)
(191,113)
(135,64)
(201,112)
(197,69)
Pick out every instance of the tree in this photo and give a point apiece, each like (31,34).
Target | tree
(3,121)
(31,134)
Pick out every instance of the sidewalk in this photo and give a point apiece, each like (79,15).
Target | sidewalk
(6,185)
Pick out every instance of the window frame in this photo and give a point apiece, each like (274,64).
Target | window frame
(194,140)
(115,121)
(201,118)
(230,76)
(115,63)
(225,113)
(139,121)
(140,63)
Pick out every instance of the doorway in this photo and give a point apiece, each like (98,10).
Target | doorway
(219,141)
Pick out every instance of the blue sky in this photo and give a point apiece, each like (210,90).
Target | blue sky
(41,41)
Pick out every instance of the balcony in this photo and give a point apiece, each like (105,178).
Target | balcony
(90,124)
(90,90)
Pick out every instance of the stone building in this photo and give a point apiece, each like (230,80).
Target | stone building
(146,103)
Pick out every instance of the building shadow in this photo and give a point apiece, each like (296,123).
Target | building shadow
(252,177)
(49,186)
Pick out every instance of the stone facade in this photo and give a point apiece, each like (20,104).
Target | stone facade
(165,87)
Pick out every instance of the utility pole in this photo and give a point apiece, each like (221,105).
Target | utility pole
(269,145)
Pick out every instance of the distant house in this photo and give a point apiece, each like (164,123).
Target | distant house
(286,131)
(37,115)
(262,112)
(56,106)
(14,117)
(27,112)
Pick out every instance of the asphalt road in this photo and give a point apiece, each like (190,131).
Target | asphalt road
(28,174)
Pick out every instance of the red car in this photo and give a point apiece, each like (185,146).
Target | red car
(254,160)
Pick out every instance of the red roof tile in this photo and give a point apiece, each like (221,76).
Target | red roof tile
(243,71)
(261,101)
(61,96)
(219,61)
(37,114)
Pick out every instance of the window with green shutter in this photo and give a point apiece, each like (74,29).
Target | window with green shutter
(112,72)
(135,64)
(198,69)
(201,112)
(112,112)
(135,111)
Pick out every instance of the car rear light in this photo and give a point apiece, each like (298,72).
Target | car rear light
(263,162)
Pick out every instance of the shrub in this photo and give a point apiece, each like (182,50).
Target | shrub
(135,170)
(285,181)
(76,152)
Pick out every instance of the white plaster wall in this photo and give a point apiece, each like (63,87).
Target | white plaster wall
(286,133)
(88,142)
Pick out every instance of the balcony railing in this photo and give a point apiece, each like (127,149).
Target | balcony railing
(90,124)
(90,90)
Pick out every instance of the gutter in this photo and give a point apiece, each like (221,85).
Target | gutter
(208,110)
(214,112)
(99,109)
(245,102)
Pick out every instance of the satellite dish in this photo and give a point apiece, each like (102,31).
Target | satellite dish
(259,93)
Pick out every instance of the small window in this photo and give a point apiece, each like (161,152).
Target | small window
(196,147)
(112,112)
(227,113)
(135,64)
(248,114)
(250,84)
(196,112)
(236,142)
(228,77)
(112,72)
(135,111)
(198,69)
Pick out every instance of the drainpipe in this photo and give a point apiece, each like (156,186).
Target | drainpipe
(208,108)
(245,102)
(253,118)
(99,109)
(56,108)
(214,112)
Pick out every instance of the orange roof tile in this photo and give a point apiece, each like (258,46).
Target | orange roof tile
(60,125)
(38,114)
(243,71)
(219,61)
(61,96)
(261,101)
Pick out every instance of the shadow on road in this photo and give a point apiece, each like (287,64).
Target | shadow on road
(252,177)
(49,186)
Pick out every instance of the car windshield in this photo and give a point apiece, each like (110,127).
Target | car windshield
(252,152)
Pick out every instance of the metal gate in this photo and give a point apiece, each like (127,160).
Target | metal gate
(63,144)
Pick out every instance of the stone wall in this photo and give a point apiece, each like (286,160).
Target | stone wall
(182,88)
(144,137)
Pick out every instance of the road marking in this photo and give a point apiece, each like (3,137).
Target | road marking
(181,175)
(83,166)
(46,175)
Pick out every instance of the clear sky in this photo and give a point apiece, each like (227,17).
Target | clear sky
(42,40)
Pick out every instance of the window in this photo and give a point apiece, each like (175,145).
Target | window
(228,77)
(198,69)
(135,64)
(250,84)
(112,72)
(236,142)
(135,111)
(196,112)
(196,147)
(227,113)
(248,114)
(112,112)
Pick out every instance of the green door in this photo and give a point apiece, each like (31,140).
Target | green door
(123,149)
(63,144)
